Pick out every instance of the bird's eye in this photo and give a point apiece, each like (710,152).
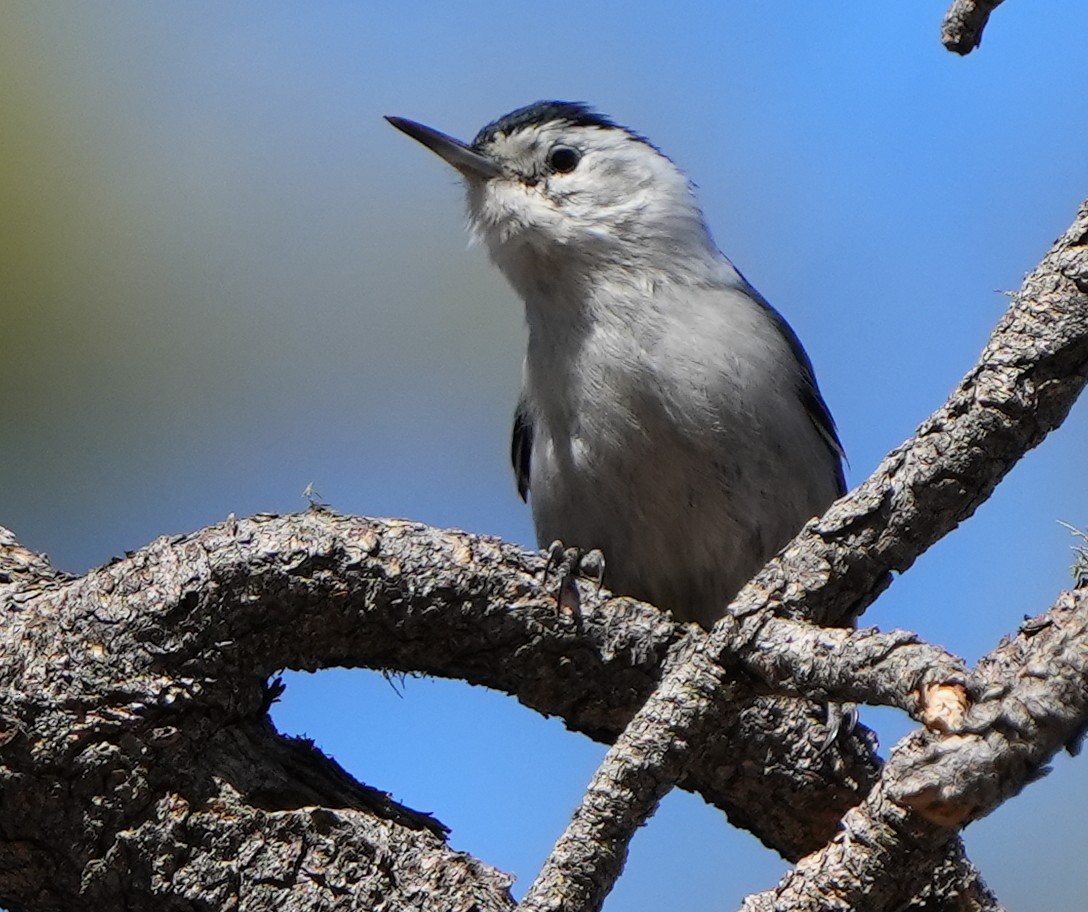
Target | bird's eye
(564,159)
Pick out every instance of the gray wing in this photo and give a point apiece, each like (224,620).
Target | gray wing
(825,424)
(521,447)
(808,390)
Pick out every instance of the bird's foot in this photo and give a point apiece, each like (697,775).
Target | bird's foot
(842,719)
(569,563)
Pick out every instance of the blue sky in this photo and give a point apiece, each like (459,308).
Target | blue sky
(223,276)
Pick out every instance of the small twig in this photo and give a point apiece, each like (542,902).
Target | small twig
(961,30)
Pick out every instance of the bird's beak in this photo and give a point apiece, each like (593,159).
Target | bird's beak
(454,152)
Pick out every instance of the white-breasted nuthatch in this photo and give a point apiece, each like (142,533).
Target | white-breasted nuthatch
(668,414)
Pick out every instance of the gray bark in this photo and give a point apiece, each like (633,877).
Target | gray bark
(961,30)
(139,769)
(1029,699)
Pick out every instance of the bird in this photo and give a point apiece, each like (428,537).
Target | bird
(668,416)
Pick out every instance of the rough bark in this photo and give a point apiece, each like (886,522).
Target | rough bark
(140,771)
(1029,700)
(144,681)
(184,786)
(961,30)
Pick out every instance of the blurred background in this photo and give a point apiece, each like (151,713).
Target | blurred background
(224,277)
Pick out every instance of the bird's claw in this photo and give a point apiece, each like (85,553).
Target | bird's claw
(570,563)
(842,719)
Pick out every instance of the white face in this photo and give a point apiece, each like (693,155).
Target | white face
(598,189)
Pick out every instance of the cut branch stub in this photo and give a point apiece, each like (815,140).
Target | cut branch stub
(1034,702)
(1032,699)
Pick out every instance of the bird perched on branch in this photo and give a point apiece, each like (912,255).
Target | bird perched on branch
(668,414)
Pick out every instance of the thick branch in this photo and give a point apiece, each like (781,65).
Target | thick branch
(961,30)
(882,854)
(198,600)
(144,681)
(234,603)
(1032,701)
(225,606)
(23,574)
(1030,373)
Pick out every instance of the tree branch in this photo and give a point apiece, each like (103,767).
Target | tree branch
(961,30)
(1032,700)
(1028,377)
(235,602)
(836,664)
(132,776)
(144,681)
(188,628)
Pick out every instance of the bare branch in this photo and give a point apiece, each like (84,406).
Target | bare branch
(24,574)
(882,854)
(961,30)
(145,679)
(1029,375)
(235,602)
(1032,701)
(191,625)
(836,664)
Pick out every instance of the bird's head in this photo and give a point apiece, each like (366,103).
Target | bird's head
(557,185)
